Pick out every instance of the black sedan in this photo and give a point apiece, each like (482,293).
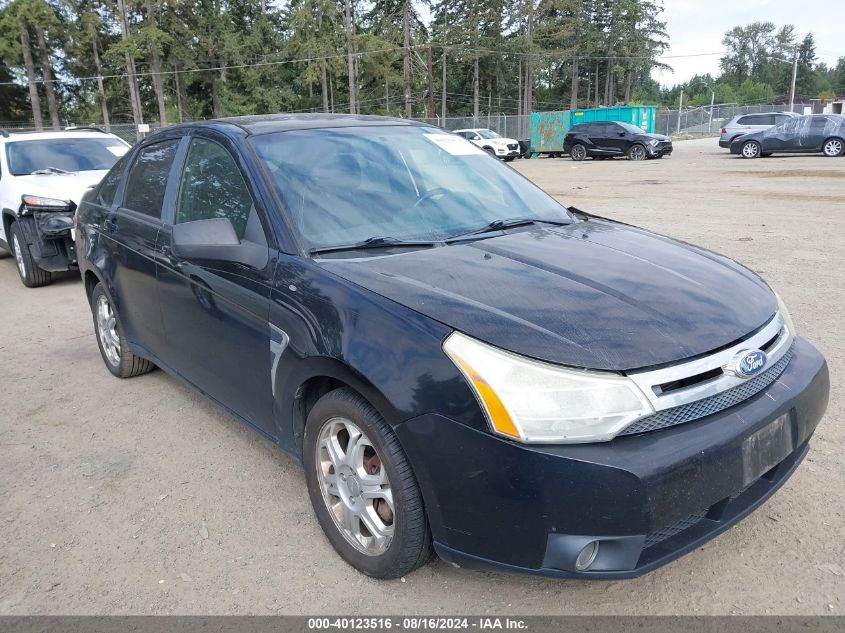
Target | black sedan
(462,364)
(811,134)
(606,139)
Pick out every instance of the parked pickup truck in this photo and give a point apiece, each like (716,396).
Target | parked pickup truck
(42,178)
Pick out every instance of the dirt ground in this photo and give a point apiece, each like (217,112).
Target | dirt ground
(139,496)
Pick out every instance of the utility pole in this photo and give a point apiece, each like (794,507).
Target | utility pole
(680,108)
(794,79)
(406,27)
(443,91)
(350,58)
(429,65)
(712,103)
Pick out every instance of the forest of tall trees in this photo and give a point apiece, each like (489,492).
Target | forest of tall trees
(169,60)
(103,61)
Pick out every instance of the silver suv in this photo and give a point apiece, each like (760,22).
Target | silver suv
(748,123)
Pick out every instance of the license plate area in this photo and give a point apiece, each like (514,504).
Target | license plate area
(767,448)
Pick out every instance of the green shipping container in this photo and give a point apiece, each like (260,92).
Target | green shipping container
(549,128)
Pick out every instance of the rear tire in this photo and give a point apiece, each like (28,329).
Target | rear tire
(353,464)
(751,149)
(578,153)
(31,275)
(110,339)
(833,147)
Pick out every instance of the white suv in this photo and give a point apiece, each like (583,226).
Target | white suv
(491,142)
(43,176)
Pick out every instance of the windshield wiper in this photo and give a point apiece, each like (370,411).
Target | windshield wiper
(501,225)
(49,170)
(372,242)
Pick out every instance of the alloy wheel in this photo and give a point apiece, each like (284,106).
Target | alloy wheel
(19,256)
(833,147)
(637,152)
(355,486)
(751,150)
(578,153)
(107,330)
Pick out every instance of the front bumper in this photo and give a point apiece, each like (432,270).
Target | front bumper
(52,247)
(507,152)
(659,150)
(647,498)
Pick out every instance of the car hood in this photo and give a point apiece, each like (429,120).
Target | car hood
(70,186)
(594,294)
(657,137)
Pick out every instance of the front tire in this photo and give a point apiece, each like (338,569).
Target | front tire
(361,486)
(578,153)
(31,275)
(833,147)
(110,339)
(751,149)
(637,152)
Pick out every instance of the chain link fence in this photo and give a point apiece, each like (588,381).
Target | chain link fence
(515,126)
(699,121)
(702,121)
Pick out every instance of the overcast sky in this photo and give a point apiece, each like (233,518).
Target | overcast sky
(697,26)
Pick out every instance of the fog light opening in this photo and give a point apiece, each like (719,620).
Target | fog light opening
(587,556)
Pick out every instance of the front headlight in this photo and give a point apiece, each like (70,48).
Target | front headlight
(535,402)
(787,319)
(654,142)
(38,203)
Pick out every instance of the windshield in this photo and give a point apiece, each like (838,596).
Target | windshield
(413,183)
(63,154)
(487,134)
(633,129)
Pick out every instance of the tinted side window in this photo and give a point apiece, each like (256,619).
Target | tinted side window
(148,178)
(213,187)
(109,183)
(746,120)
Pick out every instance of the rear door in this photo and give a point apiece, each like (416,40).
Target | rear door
(129,235)
(816,132)
(599,137)
(215,313)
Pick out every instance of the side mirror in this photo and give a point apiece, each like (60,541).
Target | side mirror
(621,133)
(215,239)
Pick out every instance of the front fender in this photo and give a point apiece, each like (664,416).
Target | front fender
(389,353)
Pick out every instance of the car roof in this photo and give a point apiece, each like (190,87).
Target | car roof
(263,124)
(787,113)
(474,129)
(33,135)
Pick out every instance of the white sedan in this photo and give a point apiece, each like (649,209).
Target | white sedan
(489,141)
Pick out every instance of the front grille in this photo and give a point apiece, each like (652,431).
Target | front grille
(671,530)
(513,146)
(708,406)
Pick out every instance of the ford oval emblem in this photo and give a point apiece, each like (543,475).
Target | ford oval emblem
(749,363)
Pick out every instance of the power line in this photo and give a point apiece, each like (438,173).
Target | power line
(541,55)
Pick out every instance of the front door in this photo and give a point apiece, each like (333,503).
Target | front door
(216,313)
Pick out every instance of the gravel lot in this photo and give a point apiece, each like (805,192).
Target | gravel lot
(139,496)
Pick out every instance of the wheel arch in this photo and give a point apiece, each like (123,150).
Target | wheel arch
(9,216)
(315,377)
(834,137)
